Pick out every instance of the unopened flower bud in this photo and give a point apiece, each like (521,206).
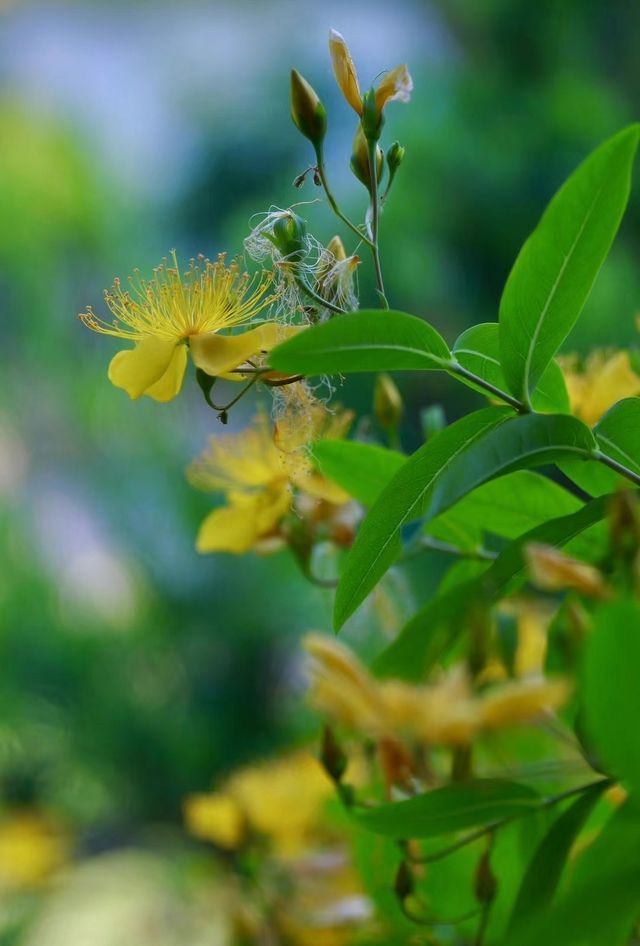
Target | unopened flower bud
(372,117)
(360,159)
(345,71)
(432,420)
(288,234)
(486,882)
(395,157)
(307,111)
(387,402)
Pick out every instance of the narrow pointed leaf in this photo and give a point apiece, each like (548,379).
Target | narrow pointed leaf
(557,266)
(543,874)
(370,340)
(451,808)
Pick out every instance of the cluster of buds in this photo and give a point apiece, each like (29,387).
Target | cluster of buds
(310,116)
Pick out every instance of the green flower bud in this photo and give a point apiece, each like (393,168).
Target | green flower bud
(307,111)
(387,402)
(372,117)
(288,234)
(360,159)
(395,157)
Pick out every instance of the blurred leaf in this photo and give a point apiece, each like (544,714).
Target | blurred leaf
(454,807)
(477,448)
(370,340)
(402,500)
(602,902)
(362,469)
(478,350)
(557,266)
(545,868)
(611,693)
(440,621)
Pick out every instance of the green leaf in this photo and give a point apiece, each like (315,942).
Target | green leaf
(477,448)
(511,505)
(601,904)
(370,340)
(451,808)
(478,350)
(611,690)
(428,634)
(557,266)
(543,874)
(402,500)
(362,469)
(617,434)
(423,640)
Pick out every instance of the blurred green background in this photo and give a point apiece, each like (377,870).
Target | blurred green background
(133,670)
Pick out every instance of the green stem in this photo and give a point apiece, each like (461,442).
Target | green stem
(618,467)
(235,400)
(375,221)
(306,288)
(322,174)
(455,368)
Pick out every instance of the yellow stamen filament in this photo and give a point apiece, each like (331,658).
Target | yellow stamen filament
(172,305)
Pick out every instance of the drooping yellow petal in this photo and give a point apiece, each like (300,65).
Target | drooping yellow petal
(396,86)
(319,487)
(138,369)
(238,526)
(345,71)
(218,354)
(170,383)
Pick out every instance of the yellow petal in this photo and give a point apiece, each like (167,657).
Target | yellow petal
(138,369)
(345,71)
(238,526)
(319,487)
(170,383)
(218,354)
(228,529)
(396,86)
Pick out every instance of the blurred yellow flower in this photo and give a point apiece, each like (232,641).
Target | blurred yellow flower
(446,712)
(258,469)
(174,312)
(216,817)
(605,378)
(280,799)
(396,85)
(32,848)
(551,570)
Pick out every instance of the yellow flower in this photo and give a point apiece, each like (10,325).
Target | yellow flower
(174,312)
(31,850)
(551,570)
(396,85)
(216,817)
(603,380)
(281,799)
(445,713)
(257,470)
